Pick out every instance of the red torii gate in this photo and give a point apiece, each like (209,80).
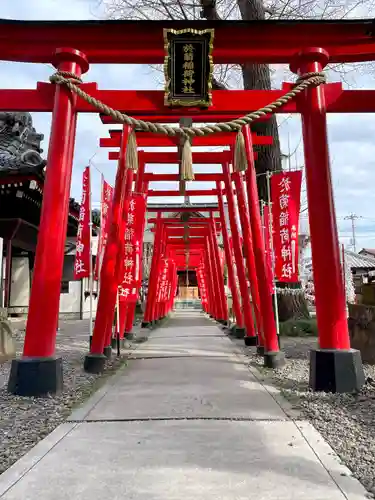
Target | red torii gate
(251,338)
(70,46)
(224,158)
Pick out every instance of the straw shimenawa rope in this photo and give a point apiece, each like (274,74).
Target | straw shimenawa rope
(71,81)
(132,152)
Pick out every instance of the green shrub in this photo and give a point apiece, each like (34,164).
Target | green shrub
(299,328)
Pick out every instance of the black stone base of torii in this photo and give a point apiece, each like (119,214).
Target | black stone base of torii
(336,370)
(36,376)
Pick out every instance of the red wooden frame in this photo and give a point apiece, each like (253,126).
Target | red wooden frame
(235,42)
(206,158)
(180,208)
(229,104)
(200,177)
(145,139)
(189,192)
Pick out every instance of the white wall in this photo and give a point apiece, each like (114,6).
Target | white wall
(86,302)
(20,285)
(74,304)
(70,303)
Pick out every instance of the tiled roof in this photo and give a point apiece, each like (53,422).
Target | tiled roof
(354,260)
(368,250)
(19,145)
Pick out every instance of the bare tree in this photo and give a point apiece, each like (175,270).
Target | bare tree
(254,76)
(250,76)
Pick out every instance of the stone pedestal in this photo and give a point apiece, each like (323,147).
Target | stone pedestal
(336,370)
(36,376)
(362,331)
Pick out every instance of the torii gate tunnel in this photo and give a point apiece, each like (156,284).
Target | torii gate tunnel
(306,46)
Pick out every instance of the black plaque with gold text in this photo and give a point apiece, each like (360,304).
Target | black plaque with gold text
(188,67)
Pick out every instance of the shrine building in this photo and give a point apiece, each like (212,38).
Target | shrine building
(22,174)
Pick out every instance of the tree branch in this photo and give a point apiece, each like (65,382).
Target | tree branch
(216,85)
(209,11)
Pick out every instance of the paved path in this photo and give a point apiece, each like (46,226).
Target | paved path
(186,420)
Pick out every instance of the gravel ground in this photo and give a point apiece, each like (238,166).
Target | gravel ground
(346,421)
(25,421)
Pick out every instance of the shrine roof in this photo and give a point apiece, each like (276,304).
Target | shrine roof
(367,250)
(20,151)
(357,261)
(20,158)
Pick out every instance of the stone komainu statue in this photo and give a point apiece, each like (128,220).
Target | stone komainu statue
(20,150)
(7,344)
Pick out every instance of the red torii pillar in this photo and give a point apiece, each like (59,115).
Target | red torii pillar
(156,305)
(152,283)
(39,372)
(173,288)
(334,366)
(239,326)
(216,302)
(139,187)
(208,309)
(214,305)
(212,238)
(112,263)
(273,357)
(245,298)
(249,254)
(123,306)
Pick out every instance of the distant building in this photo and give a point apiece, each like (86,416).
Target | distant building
(21,190)
(367,252)
(358,267)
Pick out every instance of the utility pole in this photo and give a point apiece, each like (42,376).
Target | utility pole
(353,218)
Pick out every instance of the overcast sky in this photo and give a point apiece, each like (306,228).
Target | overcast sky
(352,147)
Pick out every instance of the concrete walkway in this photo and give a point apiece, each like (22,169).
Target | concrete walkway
(186,420)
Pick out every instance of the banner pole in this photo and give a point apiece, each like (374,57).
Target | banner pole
(263,224)
(268,177)
(99,255)
(344,271)
(90,262)
(118,322)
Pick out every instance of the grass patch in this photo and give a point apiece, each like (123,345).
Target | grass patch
(299,328)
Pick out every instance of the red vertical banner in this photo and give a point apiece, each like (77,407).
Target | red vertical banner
(105,208)
(134,226)
(163,280)
(83,253)
(172,283)
(268,246)
(201,278)
(286,197)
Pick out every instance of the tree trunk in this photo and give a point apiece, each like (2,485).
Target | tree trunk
(257,77)
(291,304)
